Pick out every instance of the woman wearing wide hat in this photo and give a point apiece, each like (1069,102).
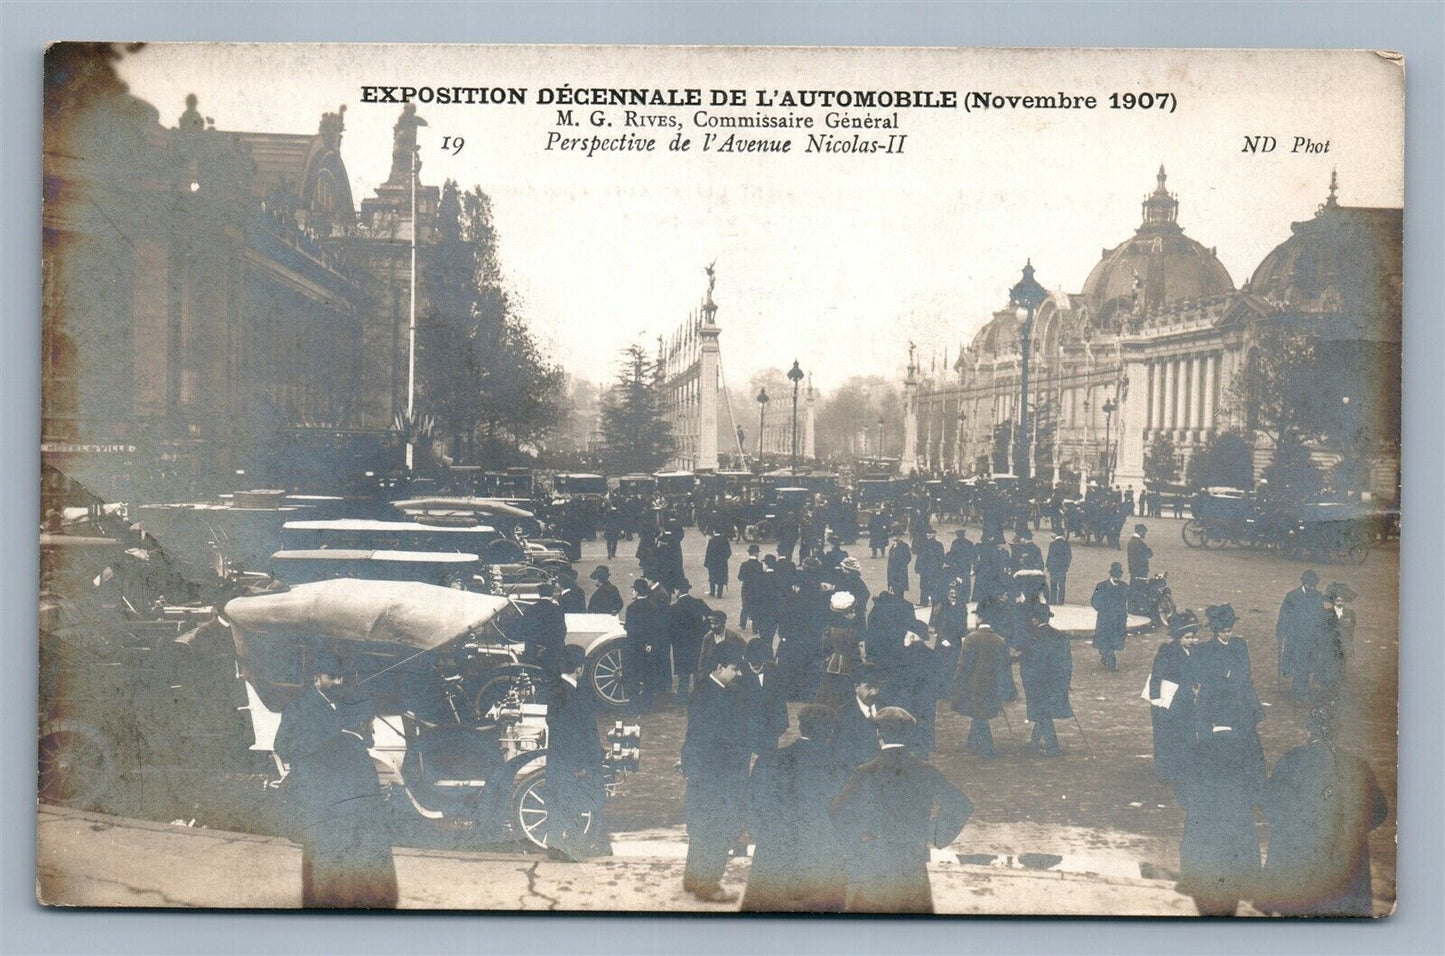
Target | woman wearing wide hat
(1172,699)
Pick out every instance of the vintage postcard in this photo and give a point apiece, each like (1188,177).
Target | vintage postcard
(692,479)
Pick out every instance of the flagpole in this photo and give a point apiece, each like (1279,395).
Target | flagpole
(411,327)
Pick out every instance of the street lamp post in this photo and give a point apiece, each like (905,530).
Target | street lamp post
(795,375)
(1027,295)
(762,408)
(1110,406)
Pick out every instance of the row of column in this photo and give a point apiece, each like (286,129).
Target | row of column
(1183,392)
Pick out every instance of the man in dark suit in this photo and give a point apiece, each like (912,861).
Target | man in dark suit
(798,865)
(346,859)
(1025,554)
(687,622)
(574,761)
(606,599)
(544,631)
(958,563)
(1138,554)
(899,554)
(1061,555)
(1111,606)
(570,596)
(929,565)
(715,761)
(1300,631)
(715,560)
(857,739)
(748,573)
(885,820)
(767,700)
(643,636)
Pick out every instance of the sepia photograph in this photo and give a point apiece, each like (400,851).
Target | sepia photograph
(716,480)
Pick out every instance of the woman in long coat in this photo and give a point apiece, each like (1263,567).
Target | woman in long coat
(1173,721)
(1218,788)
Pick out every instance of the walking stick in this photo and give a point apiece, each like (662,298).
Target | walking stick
(1087,746)
(1003,710)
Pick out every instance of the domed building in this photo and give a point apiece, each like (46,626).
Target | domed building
(1149,348)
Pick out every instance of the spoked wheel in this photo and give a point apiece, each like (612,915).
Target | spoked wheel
(1357,553)
(77,763)
(1194,533)
(607,677)
(530,815)
(1166,607)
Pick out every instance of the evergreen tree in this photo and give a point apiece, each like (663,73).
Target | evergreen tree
(636,436)
(1160,465)
(1224,461)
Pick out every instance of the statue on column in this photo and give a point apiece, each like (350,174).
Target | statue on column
(403,146)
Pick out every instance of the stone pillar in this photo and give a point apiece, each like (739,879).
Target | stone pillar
(1170,377)
(707,399)
(1133,408)
(908,457)
(809,447)
(1152,397)
(1211,384)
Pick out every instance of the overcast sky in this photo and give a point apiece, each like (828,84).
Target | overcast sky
(835,260)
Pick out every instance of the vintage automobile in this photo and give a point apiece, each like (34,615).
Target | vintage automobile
(1330,531)
(416,651)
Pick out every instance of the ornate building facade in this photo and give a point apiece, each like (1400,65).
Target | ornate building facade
(688,364)
(1153,345)
(210,298)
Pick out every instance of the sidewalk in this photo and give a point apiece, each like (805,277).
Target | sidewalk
(87,859)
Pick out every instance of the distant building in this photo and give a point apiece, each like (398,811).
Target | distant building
(1153,341)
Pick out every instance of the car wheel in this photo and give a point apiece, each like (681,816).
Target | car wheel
(1194,533)
(607,676)
(77,763)
(530,814)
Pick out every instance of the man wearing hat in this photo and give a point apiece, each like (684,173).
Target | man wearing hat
(574,760)
(1061,555)
(606,599)
(346,859)
(984,682)
(570,596)
(991,573)
(715,560)
(1046,671)
(1025,554)
(929,565)
(748,573)
(857,738)
(766,702)
(1138,554)
(687,624)
(958,563)
(878,533)
(643,636)
(886,820)
(798,864)
(1300,632)
(718,634)
(1111,607)
(715,757)
(544,630)
(899,554)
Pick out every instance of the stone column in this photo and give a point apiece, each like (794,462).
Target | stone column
(809,447)
(1211,382)
(707,398)
(1170,380)
(908,457)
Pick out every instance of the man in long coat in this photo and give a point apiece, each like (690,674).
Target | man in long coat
(748,573)
(983,674)
(798,864)
(1111,606)
(715,560)
(766,699)
(1046,671)
(958,563)
(878,533)
(929,565)
(687,622)
(574,760)
(346,859)
(886,820)
(1061,555)
(643,637)
(715,761)
(899,554)
(1321,803)
(1300,631)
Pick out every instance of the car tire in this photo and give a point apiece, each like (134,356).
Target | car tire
(606,676)
(78,764)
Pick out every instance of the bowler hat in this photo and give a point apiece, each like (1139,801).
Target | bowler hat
(1340,590)
(326,663)
(642,586)
(600,573)
(1140,528)
(865,673)
(716,615)
(758,651)
(1310,578)
(753,549)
